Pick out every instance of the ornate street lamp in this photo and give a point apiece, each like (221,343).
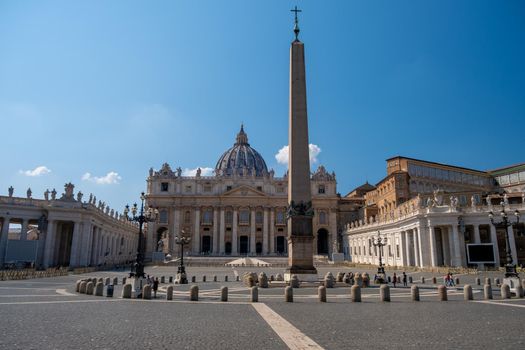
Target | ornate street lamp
(380,242)
(510,266)
(181,272)
(145,215)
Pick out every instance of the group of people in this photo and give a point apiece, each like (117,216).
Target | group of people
(449,281)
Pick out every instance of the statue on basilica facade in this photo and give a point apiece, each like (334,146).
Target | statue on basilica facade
(46,194)
(53,194)
(150,171)
(79,196)
(198,174)
(29,193)
(10,191)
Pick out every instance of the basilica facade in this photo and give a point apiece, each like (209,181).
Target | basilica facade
(239,211)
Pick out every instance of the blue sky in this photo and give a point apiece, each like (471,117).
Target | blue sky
(98,92)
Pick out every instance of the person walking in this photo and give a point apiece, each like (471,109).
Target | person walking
(394,278)
(404,279)
(155,287)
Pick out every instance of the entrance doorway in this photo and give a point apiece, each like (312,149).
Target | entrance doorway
(258,248)
(228,248)
(322,242)
(206,245)
(281,245)
(243,245)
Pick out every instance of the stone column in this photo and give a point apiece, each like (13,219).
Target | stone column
(234,232)
(417,260)
(272,230)
(456,254)
(49,249)
(512,243)
(175,230)
(408,238)
(252,232)
(265,232)
(215,243)
(432,245)
(23,230)
(221,233)
(404,251)
(421,245)
(85,246)
(494,239)
(196,233)
(477,238)
(3,239)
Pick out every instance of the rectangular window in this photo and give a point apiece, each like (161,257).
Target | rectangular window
(321,189)
(164,187)
(163,217)
(244,217)
(229,217)
(207,217)
(259,217)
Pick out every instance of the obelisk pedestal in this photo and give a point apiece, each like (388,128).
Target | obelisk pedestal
(300,230)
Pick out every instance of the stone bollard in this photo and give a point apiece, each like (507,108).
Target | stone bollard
(422,280)
(456,281)
(82,288)
(226,278)
(169,293)
(89,288)
(496,281)
(126,290)
(77,286)
(250,282)
(194,293)
(204,278)
(355,293)
(488,281)
(146,292)
(321,294)
(107,281)
(414,292)
(115,281)
(487,291)
(434,280)
(100,280)
(254,294)
(294,282)
(263,280)
(215,278)
(288,294)
(505,291)
(442,293)
(99,289)
(124,280)
(193,279)
(410,279)
(519,291)
(170,279)
(329,280)
(467,292)
(162,279)
(384,292)
(224,293)
(478,281)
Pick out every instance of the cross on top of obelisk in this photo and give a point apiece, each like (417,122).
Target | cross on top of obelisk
(296,26)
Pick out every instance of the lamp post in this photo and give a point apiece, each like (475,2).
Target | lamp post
(181,271)
(145,215)
(380,242)
(510,266)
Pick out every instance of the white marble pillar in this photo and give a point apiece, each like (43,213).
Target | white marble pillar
(215,242)
(196,232)
(234,233)
(49,248)
(421,245)
(23,230)
(85,245)
(476,237)
(221,233)
(265,232)
(512,242)
(252,232)
(494,239)
(404,251)
(3,239)
(456,254)
(432,246)
(272,231)
(415,235)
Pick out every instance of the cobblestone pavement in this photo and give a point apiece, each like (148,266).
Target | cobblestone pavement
(49,314)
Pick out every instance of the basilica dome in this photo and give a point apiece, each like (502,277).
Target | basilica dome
(241,159)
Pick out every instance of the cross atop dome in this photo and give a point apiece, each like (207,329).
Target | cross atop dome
(242,137)
(296,29)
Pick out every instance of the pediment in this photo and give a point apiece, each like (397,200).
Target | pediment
(244,191)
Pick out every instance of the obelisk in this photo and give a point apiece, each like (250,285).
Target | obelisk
(300,235)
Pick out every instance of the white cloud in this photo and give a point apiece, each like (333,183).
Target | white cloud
(205,171)
(38,171)
(282,154)
(109,179)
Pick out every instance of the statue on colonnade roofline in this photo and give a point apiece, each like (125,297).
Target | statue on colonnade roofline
(79,196)
(150,171)
(90,198)
(29,193)
(198,172)
(179,171)
(68,189)
(438,197)
(46,194)
(53,194)
(10,190)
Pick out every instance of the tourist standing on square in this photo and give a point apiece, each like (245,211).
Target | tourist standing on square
(404,279)
(394,279)
(155,286)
